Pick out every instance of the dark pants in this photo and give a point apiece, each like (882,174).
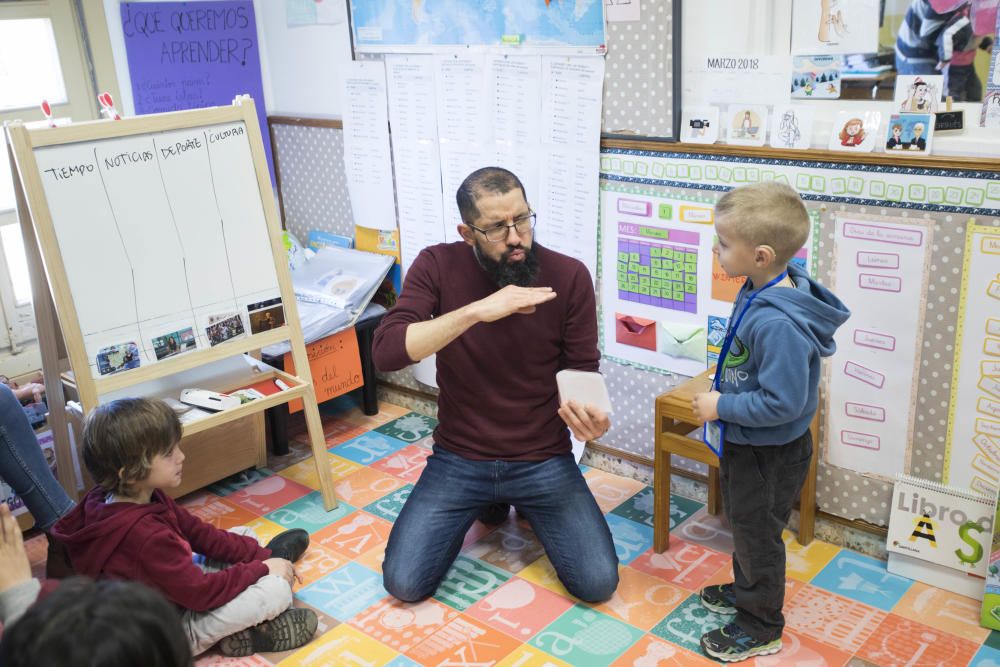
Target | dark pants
(964,84)
(452,490)
(759,486)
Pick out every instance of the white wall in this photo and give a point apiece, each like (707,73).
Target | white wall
(305,63)
(735,27)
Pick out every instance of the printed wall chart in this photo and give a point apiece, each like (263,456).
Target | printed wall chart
(881,275)
(665,301)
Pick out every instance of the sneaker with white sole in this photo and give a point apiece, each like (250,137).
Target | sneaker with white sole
(732,644)
(721,599)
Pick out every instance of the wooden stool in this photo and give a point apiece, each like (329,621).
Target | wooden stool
(674,419)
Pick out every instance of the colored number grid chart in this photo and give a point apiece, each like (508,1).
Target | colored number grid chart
(657,274)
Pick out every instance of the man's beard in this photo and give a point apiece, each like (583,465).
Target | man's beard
(504,272)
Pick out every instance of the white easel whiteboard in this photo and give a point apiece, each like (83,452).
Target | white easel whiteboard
(163,236)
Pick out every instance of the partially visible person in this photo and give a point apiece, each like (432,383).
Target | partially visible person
(957,45)
(128,528)
(24,468)
(107,624)
(18,589)
(916,41)
(32,392)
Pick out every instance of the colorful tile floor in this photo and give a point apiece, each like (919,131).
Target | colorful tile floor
(501,603)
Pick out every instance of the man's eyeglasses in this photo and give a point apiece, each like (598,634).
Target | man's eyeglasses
(497,232)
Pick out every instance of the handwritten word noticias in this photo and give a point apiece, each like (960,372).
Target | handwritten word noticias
(127,158)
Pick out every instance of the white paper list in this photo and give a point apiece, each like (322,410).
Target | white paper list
(463,128)
(416,158)
(516,85)
(367,156)
(570,164)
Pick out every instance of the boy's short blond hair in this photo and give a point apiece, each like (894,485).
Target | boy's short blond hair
(121,439)
(768,213)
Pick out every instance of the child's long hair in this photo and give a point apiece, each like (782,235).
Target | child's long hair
(121,439)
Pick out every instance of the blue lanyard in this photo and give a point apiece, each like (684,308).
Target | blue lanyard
(731,331)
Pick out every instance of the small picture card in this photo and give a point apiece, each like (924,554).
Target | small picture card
(120,357)
(266,315)
(747,124)
(855,131)
(918,93)
(791,126)
(909,133)
(816,77)
(700,125)
(173,343)
(224,327)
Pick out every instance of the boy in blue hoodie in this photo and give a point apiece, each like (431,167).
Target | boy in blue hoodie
(764,397)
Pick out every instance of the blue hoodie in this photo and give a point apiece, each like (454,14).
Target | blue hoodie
(771,374)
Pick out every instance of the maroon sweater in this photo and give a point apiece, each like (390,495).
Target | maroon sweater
(498,397)
(153,544)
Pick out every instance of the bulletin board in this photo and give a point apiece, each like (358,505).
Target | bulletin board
(942,203)
(665,299)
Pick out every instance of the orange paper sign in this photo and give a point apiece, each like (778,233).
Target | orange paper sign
(724,288)
(335,364)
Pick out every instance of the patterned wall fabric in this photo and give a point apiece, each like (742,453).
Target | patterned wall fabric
(313,183)
(638,81)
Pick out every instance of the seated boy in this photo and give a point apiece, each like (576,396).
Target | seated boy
(128,528)
(765,396)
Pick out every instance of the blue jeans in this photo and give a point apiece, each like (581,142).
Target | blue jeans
(23,466)
(452,490)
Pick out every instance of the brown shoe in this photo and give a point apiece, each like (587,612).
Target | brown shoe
(57,565)
(290,629)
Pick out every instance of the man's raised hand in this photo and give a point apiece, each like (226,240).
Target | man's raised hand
(512,299)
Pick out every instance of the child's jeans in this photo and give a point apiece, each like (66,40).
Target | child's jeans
(261,602)
(759,486)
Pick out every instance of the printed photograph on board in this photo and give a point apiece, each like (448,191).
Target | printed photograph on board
(224,327)
(266,315)
(120,357)
(173,343)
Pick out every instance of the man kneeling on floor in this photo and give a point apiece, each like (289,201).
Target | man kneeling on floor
(503,314)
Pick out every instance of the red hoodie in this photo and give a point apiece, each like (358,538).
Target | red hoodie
(153,544)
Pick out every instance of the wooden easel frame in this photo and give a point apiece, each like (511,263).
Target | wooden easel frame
(59,334)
